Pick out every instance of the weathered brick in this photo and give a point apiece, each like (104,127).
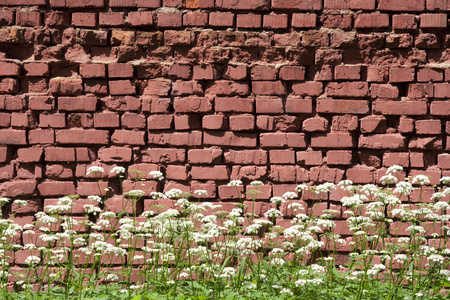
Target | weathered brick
(228,138)
(335,106)
(297,5)
(401,5)
(382,141)
(332,140)
(400,107)
(81,136)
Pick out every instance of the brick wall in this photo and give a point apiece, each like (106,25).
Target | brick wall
(283,91)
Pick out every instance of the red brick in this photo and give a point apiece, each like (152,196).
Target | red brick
(246,157)
(170,19)
(41,102)
(84,19)
(377,74)
(339,40)
(28,18)
(280,139)
(192,104)
(360,174)
(373,124)
(269,88)
(195,18)
(243,122)
(143,18)
(288,173)
(158,87)
(440,108)
(428,126)
(343,22)
(297,5)
(401,5)
(227,88)
(275,21)
(342,106)
(372,21)
(337,157)
(269,105)
(205,156)
(316,124)
(58,154)
(382,141)
(228,138)
(180,71)
(420,90)
(36,69)
(244,5)
(9,69)
(426,75)
(65,86)
(347,72)
(416,160)
(390,159)
(186,122)
(110,19)
(215,122)
(400,107)
(386,91)
(192,138)
(56,188)
(443,161)
(160,122)
(52,120)
(92,70)
(263,72)
(163,155)
(186,88)
(41,136)
(216,172)
(106,120)
(176,172)
(121,87)
(347,89)
(115,154)
(120,70)
(292,73)
(304,20)
(26,155)
(433,21)
(401,74)
(231,192)
(17,188)
(5,120)
(332,140)
(82,103)
(282,156)
(23,120)
(131,120)
(4,154)
(81,136)
(128,137)
(13,137)
(221,19)
(310,88)
(233,104)
(178,38)
(309,158)
(404,22)
(248,21)
(236,72)
(441,90)
(9,85)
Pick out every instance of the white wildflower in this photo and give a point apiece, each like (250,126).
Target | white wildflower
(235,183)
(118,170)
(94,170)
